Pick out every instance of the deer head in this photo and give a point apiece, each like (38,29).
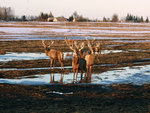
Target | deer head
(47,47)
(80,46)
(90,46)
(72,47)
(69,42)
(97,47)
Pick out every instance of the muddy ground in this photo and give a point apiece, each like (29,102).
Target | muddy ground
(74,98)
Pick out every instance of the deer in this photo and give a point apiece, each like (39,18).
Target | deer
(70,41)
(53,54)
(78,63)
(89,59)
(96,47)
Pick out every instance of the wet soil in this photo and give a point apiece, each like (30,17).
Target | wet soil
(75,98)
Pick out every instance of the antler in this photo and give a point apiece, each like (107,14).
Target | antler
(52,42)
(93,39)
(97,44)
(89,45)
(70,46)
(79,46)
(75,43)
(43,42)
(66,40)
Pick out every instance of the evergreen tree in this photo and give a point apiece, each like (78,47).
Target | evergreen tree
(104,19)
(23,18)
(71,18)
(141,20)
(51,15)
(147,20)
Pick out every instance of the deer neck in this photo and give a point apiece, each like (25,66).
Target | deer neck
(81,54)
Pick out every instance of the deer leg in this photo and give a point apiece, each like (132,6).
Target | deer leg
(54,65)
(76,74)
(81,74)
(61,79)
(51,62)
(62,66)
(100,52)
(90,71)
(87,72)
(51,78)
(73,75)
(97,56)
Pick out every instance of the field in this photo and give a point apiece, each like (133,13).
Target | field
(120,76)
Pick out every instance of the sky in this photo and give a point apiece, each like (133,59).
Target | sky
(93,9)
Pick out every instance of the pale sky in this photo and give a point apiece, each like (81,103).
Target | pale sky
(93,9)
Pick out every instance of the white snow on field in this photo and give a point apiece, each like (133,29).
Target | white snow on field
(17,30)
(74,30)
(136,75)
(10,56)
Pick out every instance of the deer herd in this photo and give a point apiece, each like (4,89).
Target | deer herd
(82,60)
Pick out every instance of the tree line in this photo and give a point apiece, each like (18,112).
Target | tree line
(7,14)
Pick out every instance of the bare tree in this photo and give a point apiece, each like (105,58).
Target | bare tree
(6,13)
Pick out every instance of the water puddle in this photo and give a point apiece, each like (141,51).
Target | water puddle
(25,69)
(14,56)
(22,36)
(136,75)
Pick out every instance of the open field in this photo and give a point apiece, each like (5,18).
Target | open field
(120,77)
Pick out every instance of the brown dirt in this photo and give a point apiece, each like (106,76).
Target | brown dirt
(75,98)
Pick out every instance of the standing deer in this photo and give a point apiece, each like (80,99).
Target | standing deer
(78,63)
(96,47)
(70,41)
(89,59)
(54,55)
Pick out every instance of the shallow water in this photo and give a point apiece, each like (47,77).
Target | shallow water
(14,56)
(16,37)
(136,75)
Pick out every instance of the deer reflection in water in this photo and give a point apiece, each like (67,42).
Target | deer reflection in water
(52,78)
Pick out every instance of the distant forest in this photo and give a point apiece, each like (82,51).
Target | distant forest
(7,14)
